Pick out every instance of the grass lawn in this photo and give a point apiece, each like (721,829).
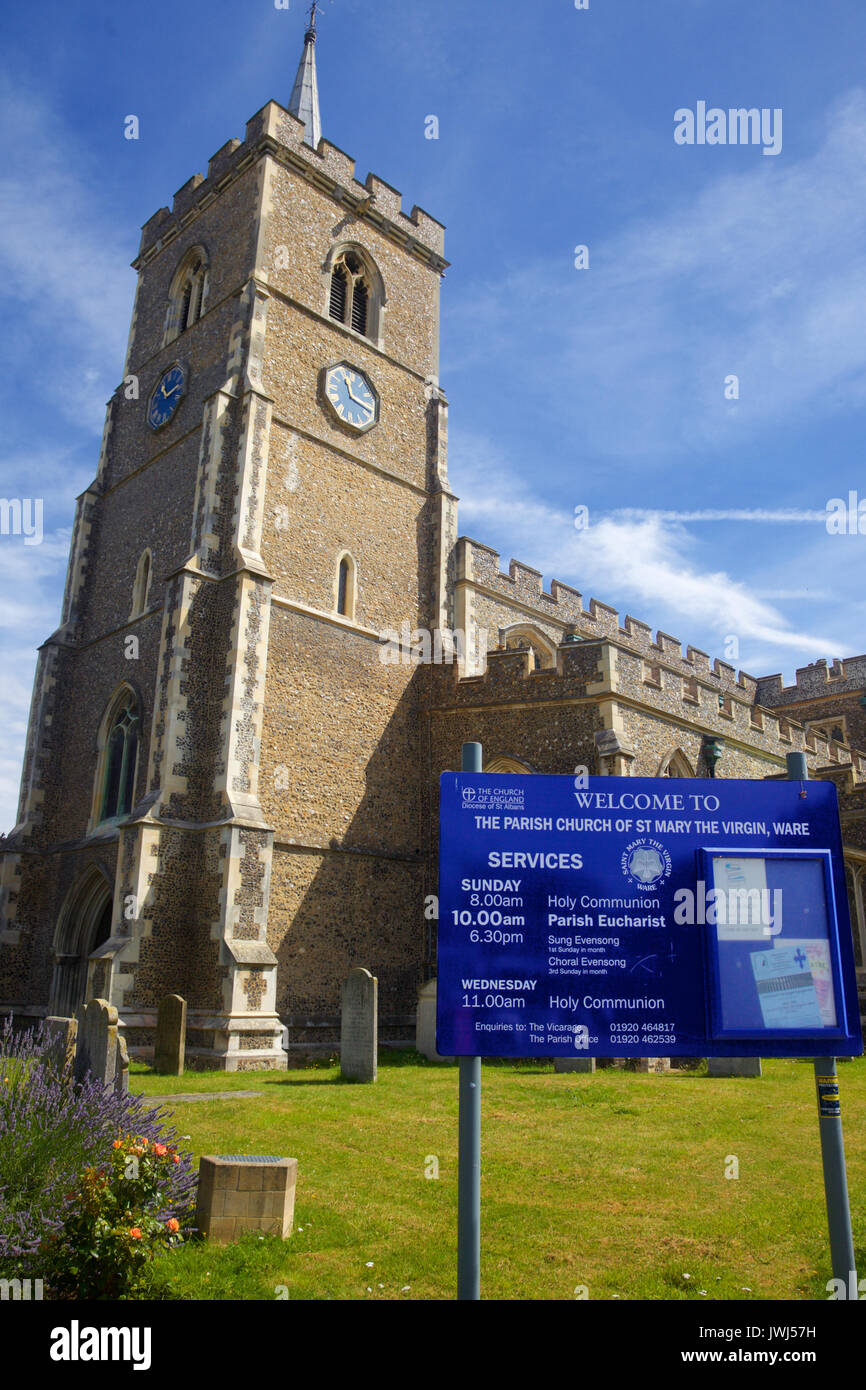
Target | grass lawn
(614,1181)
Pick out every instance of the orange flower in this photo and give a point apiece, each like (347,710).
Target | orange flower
(118,1144)
(175,1158)
(173,1224)
(135,1232)
(160,1150)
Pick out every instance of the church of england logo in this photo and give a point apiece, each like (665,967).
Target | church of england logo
(646,863)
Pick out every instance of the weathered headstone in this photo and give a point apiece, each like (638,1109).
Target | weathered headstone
(121,1075)
(59,1051)
(170,1048)
(96,1049)
(733,1066)
(359,1026)
(425,1024)
(654,1065)
(583,1064)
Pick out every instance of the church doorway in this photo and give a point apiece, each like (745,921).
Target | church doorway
(84,925)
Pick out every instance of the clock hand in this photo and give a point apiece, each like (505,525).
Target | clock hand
(357,400)
(171,392)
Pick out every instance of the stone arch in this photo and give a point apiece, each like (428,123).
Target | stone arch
(506,764)
(84,924)
(346,585)
(526,637)
(675,764)
(124,699)
(355,290)
(187,295)
(141,586)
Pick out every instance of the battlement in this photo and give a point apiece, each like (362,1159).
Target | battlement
(584,668)
(275,130)
(479,565)
(815,681)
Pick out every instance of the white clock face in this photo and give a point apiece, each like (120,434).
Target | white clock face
(351,397)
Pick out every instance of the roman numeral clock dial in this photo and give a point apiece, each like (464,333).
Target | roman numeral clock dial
(352,397)
(166,396)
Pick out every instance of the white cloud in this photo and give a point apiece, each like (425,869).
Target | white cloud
(648,561)
(63,261)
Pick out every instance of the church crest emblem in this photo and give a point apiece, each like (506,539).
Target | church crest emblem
(646,864)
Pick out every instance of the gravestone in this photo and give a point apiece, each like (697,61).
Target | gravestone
(59,1050)
(359,1026)
(582,1064)
(733,1066)
(654,1065)
(425,1024)
(96,1049)
(170,1048)
(121,1075)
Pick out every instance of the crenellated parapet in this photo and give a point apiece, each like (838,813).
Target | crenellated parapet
(273,130)
(599,656)
(562,610)
(815,682)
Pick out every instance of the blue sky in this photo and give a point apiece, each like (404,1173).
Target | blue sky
(602,387)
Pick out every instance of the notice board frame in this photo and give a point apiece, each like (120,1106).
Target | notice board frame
(715,1025)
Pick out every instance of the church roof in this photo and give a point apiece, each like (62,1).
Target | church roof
(304,101)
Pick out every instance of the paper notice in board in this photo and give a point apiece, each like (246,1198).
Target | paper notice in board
(743,907)
(786,988)
(818,954)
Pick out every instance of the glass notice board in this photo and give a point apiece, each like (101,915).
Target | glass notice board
(772,938)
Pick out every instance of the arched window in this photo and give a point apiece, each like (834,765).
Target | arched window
(355,292)
(141,587)
(675,764)
(188,293)
(118,758)
(525,638)
(346,585)
(506,764)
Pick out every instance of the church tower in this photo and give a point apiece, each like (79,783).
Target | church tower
(225,790)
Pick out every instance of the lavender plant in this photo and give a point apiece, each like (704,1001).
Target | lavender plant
(52,1130)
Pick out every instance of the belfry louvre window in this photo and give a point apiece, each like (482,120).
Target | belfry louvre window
(359,308)
(352,295)
(339,294)
(119,761)
(187,295)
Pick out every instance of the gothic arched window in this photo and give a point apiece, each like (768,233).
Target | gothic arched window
(141,587)
(675,764)
(346,585)
(119,758)
(186,299)
(355,293)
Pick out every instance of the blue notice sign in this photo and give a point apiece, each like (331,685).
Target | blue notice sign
(640,917)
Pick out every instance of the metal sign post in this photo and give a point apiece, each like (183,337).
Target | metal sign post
(469,1142)
(832,1140)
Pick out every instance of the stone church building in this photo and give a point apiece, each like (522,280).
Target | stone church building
(230,786)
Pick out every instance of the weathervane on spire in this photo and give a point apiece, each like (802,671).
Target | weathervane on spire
(314,10)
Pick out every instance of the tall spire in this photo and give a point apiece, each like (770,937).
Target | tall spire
(305,95)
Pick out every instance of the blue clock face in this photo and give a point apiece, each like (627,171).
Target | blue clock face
(166,397)
(351,397)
